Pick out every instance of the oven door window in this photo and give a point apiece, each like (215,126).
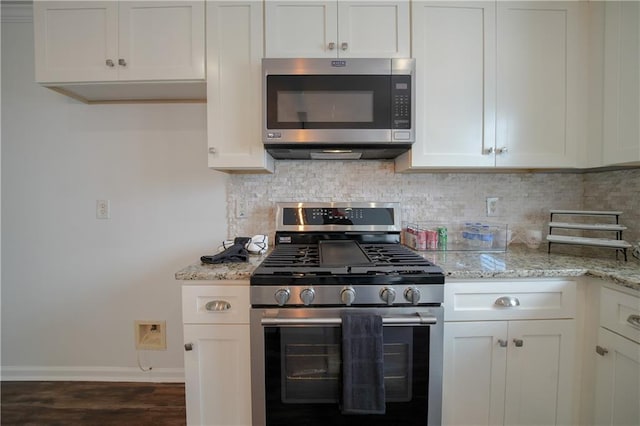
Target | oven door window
(303,375)
(328,102)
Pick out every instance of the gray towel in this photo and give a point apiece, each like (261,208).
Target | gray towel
(362,364)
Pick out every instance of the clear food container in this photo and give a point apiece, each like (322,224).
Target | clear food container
(473,235)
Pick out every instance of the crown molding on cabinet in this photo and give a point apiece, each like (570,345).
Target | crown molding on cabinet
(17,12)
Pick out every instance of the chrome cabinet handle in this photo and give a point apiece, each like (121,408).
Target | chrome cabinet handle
(487,151)
(502,343)
(188,347)
(519,343)
(331,46)
(109,63)
(634,320)
(212,150)
(344,45)
(507,302)
(601,351)
(502,150)
(122,62)
(217,306)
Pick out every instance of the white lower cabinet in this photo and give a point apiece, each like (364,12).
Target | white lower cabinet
(217,359)
(504,363)
(618,360)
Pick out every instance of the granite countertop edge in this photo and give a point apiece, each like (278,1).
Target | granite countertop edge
(518,262)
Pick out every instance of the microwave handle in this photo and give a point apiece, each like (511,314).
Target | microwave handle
(412,320)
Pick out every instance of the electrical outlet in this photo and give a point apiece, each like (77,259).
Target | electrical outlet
(103,209)
(492,206)
(241,209)
(151,335)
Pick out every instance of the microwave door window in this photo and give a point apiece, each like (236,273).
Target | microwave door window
(311,107)
(328,102)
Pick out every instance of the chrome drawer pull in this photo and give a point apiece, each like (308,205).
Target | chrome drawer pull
(217,306)
(634,320)
(519,343)
(507,302)
(502,343)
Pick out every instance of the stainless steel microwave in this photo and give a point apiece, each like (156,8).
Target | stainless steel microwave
(338,108)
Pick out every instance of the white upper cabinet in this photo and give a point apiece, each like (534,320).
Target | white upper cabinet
(102,42)
(621,142)
(234,87)
(541,84)
(499,84)
(161,40)
(329,29)
(75,41)
(454,49)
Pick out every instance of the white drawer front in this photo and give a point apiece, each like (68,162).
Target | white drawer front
(216,304)
(507,300)
(620,313)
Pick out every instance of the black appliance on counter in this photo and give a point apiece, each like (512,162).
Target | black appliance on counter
(331,259)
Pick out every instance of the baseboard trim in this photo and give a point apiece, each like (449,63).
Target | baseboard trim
(92,374)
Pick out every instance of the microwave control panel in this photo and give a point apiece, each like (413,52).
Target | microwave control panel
(401,101)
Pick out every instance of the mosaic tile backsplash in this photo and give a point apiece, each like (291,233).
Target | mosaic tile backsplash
(524,198)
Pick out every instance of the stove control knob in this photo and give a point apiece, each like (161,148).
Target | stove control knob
(388,295)
(307,295)
(282,296)
(348,295)
(412,294)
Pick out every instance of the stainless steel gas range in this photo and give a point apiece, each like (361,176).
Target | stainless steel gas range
(333,264)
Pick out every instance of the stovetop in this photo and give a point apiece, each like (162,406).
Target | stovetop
(345,262)
(344,257)
(342,244)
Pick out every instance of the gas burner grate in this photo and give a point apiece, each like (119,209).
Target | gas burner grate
(385,259)
(392,254)
(293,256)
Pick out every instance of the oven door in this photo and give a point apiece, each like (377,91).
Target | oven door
(296,367)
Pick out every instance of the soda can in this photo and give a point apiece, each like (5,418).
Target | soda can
(432,239)
(422,239)
(442,237)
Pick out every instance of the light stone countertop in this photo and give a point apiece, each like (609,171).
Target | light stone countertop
(517,262)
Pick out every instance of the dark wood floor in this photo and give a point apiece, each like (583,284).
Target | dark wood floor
(92,403)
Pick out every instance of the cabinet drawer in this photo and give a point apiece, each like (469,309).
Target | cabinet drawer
(215,304)
(507,300)
(620,313)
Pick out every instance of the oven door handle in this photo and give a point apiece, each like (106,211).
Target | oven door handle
(409,320)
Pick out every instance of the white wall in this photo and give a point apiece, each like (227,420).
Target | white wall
(72,285)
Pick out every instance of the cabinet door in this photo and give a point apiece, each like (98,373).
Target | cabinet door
(373,29)
(474,373)
(539,372)
(622,83)
(217,375)
(540,91)
(161,40)
(301,29)
(234,86)
(74,41)
(454,48)
(617,381)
